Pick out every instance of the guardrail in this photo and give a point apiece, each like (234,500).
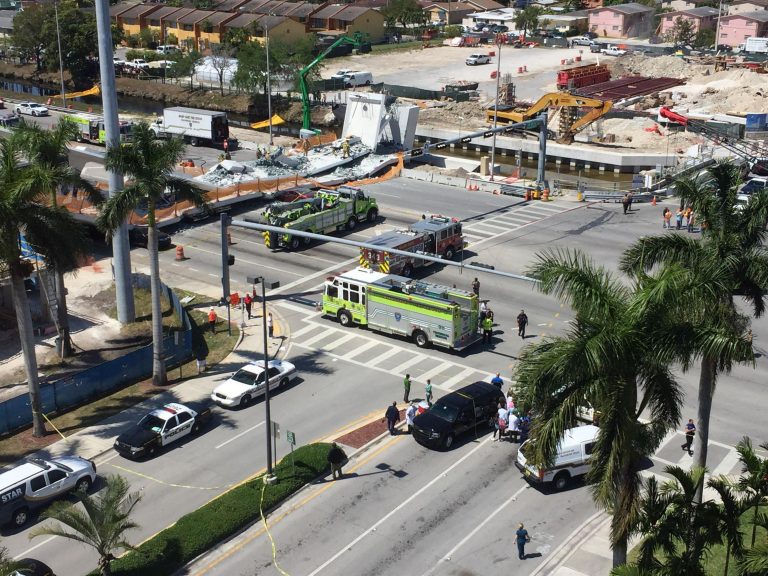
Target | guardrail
(615,196)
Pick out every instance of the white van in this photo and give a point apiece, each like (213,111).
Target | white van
(167,49)
(358,79)
(573,454)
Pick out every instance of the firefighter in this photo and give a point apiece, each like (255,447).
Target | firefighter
(487,328)
(345,148)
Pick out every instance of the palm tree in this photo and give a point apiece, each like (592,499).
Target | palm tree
(47,150)
(101,523)
(753,481)
(54,234)
(729,518)
(149,164)
(7,564)
(755,560)
(610,358)
(732,254)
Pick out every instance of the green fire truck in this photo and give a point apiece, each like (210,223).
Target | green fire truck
(328,211)
(425,312)
(90,128)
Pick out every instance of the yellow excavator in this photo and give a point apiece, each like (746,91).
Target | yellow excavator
(569,104)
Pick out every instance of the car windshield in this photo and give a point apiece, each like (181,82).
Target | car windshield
(247,377)
(445,412)
(152,423)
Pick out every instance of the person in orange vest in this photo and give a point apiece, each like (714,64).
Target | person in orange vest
(212,319)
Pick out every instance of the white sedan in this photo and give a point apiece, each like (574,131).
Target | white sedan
(32,109)
(248,382)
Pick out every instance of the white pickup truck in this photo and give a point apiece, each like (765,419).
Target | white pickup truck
(613,51)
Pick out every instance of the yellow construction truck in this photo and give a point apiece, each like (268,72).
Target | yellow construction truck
(90,128)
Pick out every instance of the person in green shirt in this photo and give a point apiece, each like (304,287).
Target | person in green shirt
(487,329)
(406,387)
(428,392)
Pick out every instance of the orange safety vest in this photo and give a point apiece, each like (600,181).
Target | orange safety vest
(212,316)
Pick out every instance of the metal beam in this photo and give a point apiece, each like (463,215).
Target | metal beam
(335,240)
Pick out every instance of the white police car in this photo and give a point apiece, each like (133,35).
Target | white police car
(248,382)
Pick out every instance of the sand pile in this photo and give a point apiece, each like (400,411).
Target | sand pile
(455,114)
(673,66)
(641,133)
(733,91)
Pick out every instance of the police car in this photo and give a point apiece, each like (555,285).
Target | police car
(161,427)
(248,382)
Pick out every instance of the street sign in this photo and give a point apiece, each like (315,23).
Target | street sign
(291,437)
(275,429)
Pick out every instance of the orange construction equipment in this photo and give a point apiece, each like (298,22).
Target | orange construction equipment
(180,253)
(527,195)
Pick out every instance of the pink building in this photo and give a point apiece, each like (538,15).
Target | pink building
(622,20)
(701,19)
(736,28)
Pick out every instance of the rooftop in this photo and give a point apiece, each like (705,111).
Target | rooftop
(757,15)
(631,8)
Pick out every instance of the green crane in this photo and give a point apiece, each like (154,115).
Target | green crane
(356,41)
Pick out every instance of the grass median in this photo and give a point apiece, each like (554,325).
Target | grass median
(223,517)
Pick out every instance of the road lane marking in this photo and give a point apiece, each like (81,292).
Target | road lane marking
(380,358)
(321,274)
(243,433)
(338,342)
(365,347)
(35,547)
(468,537)
(399,507)
(242,260)
(458,377)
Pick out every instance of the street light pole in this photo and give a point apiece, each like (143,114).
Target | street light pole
(61,59)
(269,86)
(496,108)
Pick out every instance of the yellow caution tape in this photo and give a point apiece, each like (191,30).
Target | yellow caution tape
(269,534)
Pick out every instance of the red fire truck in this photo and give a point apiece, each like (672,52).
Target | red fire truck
(436,236)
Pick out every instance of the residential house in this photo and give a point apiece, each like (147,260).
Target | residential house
(450,13)
(230,5)
(281,28)
(158,19)
(6,22)
(592,4)
(578,20)
(500,16)
(700,18)
(134,19)
(680,5)
(485,4)
(210,30)
(169,24)
(741,6)
(622,20)
(736,28)
(242,20)
(347,19)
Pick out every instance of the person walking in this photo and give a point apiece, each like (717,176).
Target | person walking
(212,319)
(625,203)
(690,432)
(270,328)
(522,322)
(521,539)
(514,425)
(428,392)
(406,387)
(392,416)
(667,219)
(679,219)
(248,303)
(487,329)
(476,286)
(501,416)
(497,380)
(691,220)
(630,197)
(336,458)
(687,215)
(201,362)
(410,414)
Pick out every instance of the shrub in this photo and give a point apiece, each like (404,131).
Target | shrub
(221,518)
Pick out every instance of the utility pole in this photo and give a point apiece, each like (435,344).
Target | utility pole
(540,176)
(61,58)
(496,107)
(269,84)
(121,254)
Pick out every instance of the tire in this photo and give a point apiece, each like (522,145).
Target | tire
(449,253)
(245,400)
(20,517)
(448,442)
(196,427)
(367,82)
(194,141)
(83,485)
(407,270)
(306,241)
(372,215)
(345,318)
(560,482)
(420,339)
(351,223)
(295,243)
(152,450)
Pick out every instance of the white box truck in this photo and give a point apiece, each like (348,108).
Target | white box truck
(195,126)
(754,45)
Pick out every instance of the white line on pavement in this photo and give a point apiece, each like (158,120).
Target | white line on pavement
(320,274)
(468,537)
(35,547)
(402,505)
(241,434)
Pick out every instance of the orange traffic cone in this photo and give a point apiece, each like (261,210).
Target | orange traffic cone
(180,253)
(653,201)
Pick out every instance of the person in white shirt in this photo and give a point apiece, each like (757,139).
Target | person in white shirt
(514,425)
(501,415)
(410,414)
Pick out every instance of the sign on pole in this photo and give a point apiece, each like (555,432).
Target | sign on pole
(291,437)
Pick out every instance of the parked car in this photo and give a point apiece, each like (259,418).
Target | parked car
(597,46)
(582,40)
(340,74)
(475,59)
(32,567)
(138,63)
(499,28)
(613,51)
(117,61)
(167,49)
(248,382)
(139,237)
(354,79)
(460,411)
(31,109)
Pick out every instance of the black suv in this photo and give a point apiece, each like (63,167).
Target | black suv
(456,413)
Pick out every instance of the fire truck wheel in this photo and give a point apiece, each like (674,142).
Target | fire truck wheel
(407,270)
(194,141)
(420,338)
(449,253)
(372,215)
(345,318)
(351,223)
(295,243)
(306,241)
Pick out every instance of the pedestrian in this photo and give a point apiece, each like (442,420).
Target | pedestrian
(201,362)
(513,425)
(510,399)
(487,329)
(410,414)
(691,220)
(690,432)
(497,380)
(392,416)
(476,287)
(212,319)
(483,309)
(248,303)
(345,148)
(679,219)
(522,322)
(625,203)
(270,327)
(406,387)
(630,197)
(521,538)
(667,219)
(687,213)
(501,416)
(336,458)
(524,424)
(428,392)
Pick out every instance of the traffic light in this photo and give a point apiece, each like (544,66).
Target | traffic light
(231,260)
